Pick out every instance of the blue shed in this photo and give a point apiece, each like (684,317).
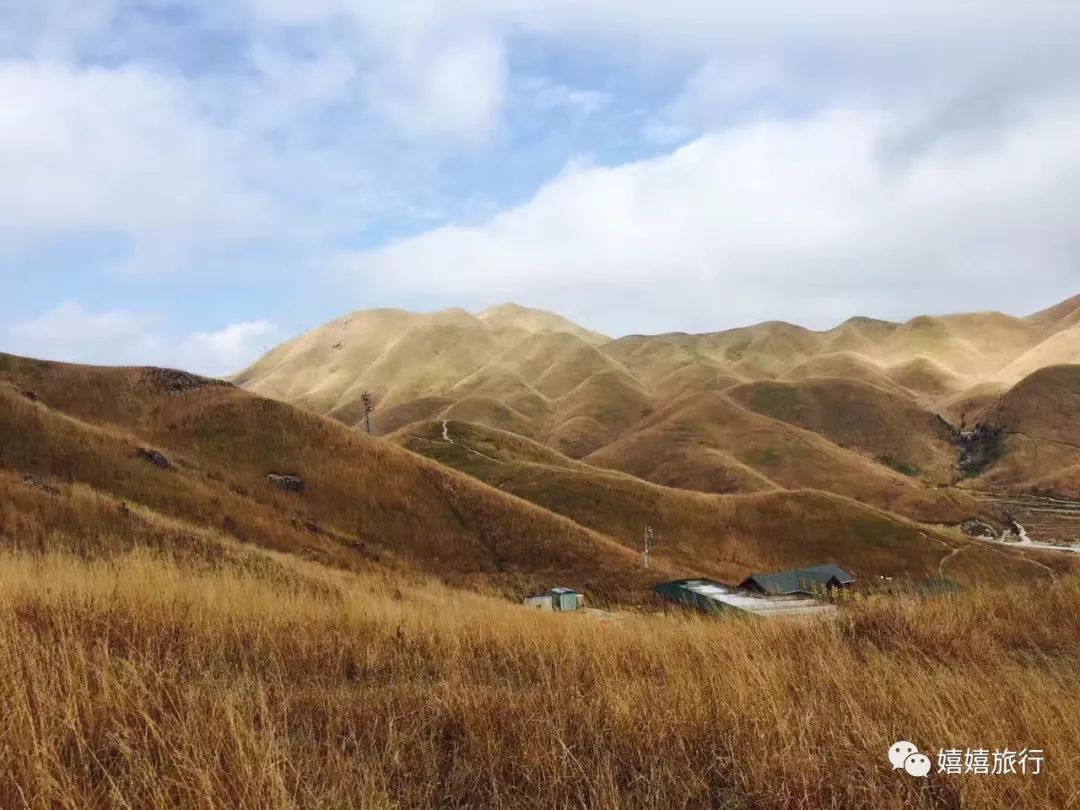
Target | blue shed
(566,599)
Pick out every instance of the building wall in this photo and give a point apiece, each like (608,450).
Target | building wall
(568,601)
(538,602)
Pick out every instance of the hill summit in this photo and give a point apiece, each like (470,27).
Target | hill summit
(870,409)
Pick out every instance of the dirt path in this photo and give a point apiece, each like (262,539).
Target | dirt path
(463,446)
(953,551)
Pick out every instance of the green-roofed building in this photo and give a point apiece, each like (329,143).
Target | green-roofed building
(799,580)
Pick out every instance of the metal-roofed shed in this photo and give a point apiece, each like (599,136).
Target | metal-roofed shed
(799,580)
(715,599)
(557,599)
(700,594)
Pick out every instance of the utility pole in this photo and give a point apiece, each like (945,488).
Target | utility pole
(368,410)
(650,544)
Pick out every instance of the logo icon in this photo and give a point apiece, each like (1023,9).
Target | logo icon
(906,757)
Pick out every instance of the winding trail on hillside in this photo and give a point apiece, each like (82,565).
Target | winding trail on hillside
(463,446)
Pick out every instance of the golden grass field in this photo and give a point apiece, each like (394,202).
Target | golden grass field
(190,636)
(138,681)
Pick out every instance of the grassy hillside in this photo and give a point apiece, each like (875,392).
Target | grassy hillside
(364,503)
(92,436)
(887,427)
(1044,407)
(668,447)
(1039,421)
(726,537)
(856,410)
(140,682)
(178,632)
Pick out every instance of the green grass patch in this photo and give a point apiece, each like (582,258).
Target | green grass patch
(777,400)
(736,350)
(879,531)
(764,458)
(899,466)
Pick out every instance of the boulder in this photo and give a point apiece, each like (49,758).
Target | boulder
(978,528)
(179,382)
(286,482)
(48,489)
(154,457)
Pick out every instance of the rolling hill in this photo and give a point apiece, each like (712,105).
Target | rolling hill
(870,410)
(723,536)
(1033,433)
(181,462)
(209,596)
(160,447)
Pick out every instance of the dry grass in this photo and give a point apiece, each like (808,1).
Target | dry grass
(671,445)
(367,503)
(137,683)
(885,426)
(857,415)
(154,654)
(370,504)
(725,537)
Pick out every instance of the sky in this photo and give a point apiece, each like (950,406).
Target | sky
(187,183)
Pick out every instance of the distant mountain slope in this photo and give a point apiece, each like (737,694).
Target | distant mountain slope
(401,356)
(707,442)
(1035,433)
(515,318)
(888,427)
(720,536)
(853,410)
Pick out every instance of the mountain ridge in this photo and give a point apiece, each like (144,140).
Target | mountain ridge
(899,393)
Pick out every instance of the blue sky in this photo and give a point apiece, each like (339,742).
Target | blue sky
(187,183)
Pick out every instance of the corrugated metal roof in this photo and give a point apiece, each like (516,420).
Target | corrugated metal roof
(842,576)
(713,597)
(799,579)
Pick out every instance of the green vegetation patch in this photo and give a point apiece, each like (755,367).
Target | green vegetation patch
(737,349)
(899,466)
(764,458)
(878,531)
(777,400)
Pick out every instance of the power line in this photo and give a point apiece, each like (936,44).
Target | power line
(650,545)
(368,410)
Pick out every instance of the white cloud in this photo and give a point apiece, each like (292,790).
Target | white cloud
(293,135)
(681,18)
(807,219)
(546,94)
(70,333)
(306,125)
(433,68)
(444,86)
(227,350)
(439,67)
(118,150)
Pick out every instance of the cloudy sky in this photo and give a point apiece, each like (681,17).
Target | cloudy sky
(186,183)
